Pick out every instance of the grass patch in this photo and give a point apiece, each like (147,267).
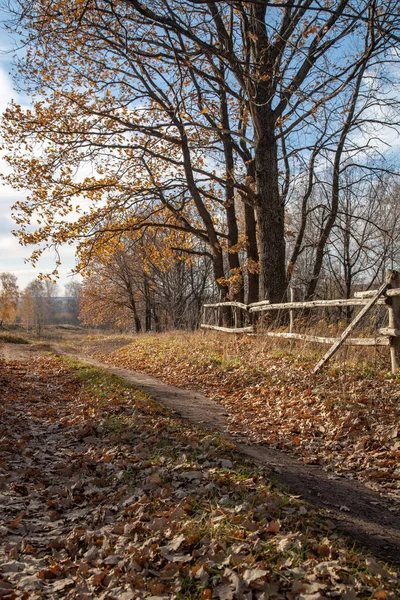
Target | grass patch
(92,377)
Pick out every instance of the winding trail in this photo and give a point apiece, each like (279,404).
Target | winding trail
(368,518)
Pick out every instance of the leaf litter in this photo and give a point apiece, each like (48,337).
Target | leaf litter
(347,421)
(104,494)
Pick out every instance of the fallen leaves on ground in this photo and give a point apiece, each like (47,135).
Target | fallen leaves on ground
(104,495)
(346,420)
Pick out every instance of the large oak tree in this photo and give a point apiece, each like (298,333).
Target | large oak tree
(179,109)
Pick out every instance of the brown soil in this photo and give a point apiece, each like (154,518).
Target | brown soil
(370,519)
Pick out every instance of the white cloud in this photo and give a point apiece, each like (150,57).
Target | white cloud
(13,258)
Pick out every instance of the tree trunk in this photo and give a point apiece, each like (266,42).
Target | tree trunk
(236,292)
(269,210)
(147,302)
(253,279)
(138,325)
(136,320)
(156,317)
(270,214)
(219,274)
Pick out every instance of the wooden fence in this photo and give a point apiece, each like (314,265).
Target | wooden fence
(388,295)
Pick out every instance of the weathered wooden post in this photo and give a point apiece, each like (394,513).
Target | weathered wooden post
(219,311)
(291,312)
(291,318)
(393,302)
(203,319)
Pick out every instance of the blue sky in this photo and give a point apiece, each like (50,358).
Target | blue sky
(12,254)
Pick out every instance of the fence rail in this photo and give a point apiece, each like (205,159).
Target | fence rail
(310,304)
(388,294)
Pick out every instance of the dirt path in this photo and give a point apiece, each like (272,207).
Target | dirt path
(370,519)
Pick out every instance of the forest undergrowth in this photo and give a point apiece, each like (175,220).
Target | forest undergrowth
(346,418)
(110,496)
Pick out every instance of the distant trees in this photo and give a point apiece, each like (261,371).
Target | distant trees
(179,115)
(9,296)
(73,291)
(139,287)
(365,239)
(35,307)
(144,286)
(38,305)
(109,296)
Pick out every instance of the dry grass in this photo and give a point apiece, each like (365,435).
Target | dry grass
(346,418)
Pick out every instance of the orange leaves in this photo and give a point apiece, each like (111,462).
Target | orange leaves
(274,527)
(309,31)
(272,400)
(52,573)
(99,577)
(18,520)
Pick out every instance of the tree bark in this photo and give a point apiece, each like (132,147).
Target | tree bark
(233,232)
(136,320)
(147,302)
(261,90)
(270,214)
(253,279)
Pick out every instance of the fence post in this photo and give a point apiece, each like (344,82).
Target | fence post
(393,277)
(291,314)
(291,318)
(203,318)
